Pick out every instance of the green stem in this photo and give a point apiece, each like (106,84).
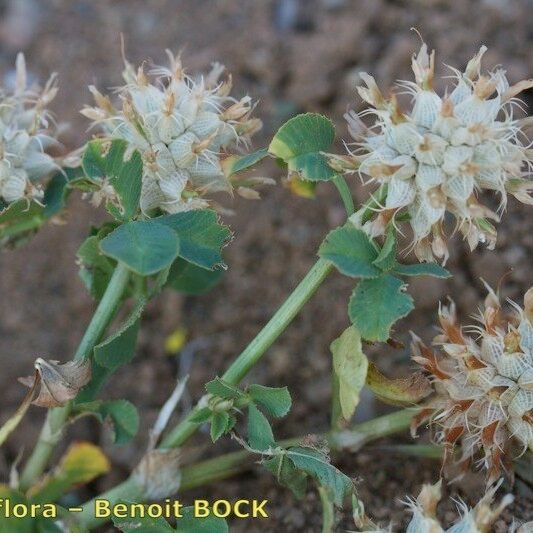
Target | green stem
(234,463)
(262,342)
(56,418)
(345,194)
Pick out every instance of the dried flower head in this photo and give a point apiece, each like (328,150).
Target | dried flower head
(476,520)
(26,131)
(180,125)
(483,384)
(440,155)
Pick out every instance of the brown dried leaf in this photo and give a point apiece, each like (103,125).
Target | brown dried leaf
(60,383)
(401,391)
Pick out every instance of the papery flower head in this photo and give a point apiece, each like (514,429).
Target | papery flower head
(478,519)
(483,377)
(181,126)
(26,131)
(441,154)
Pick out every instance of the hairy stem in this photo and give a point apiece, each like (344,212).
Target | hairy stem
(231,464)
(256,349)
(56,418)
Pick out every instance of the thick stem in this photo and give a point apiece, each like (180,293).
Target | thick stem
(56,418)
(231,464)
(262,342)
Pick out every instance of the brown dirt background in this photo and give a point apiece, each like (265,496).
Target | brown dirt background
(293,56)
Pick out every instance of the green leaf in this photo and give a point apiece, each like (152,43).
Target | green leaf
(299,143)
(122,415)
(276,400)
(201,236)
(144,246)
(81,463)
(219,425)
(119,349)
(95,268)
(350,365)
(105,159)
(190,279)
(351,251)
(57,190)
(316,464)
(386,258)
(328,510)
(260,436)
(12,524)
(421,269)
(201,416)
(234,163)
(220,388)
(376,304)
(287,474)
(189,523)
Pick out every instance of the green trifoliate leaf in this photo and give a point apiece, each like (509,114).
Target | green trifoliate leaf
(386,258)
(57,190)
(350,365)
(260,436)
(106,160)
(317,465)
(300,143)
(234,163)
(121,414)
(144,246)
(119,348)
(421,269)
(114,352)
(219,424)
(190,279)
(351,251)
(276,400)
(376,304)
(220,388)
(287,474)
(201,236)
(95,268)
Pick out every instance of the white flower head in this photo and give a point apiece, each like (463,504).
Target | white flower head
(483,380)
(446,150)
(26,131)
(181,126)
(478,519)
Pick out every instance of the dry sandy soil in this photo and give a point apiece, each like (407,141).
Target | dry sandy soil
(292,56)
